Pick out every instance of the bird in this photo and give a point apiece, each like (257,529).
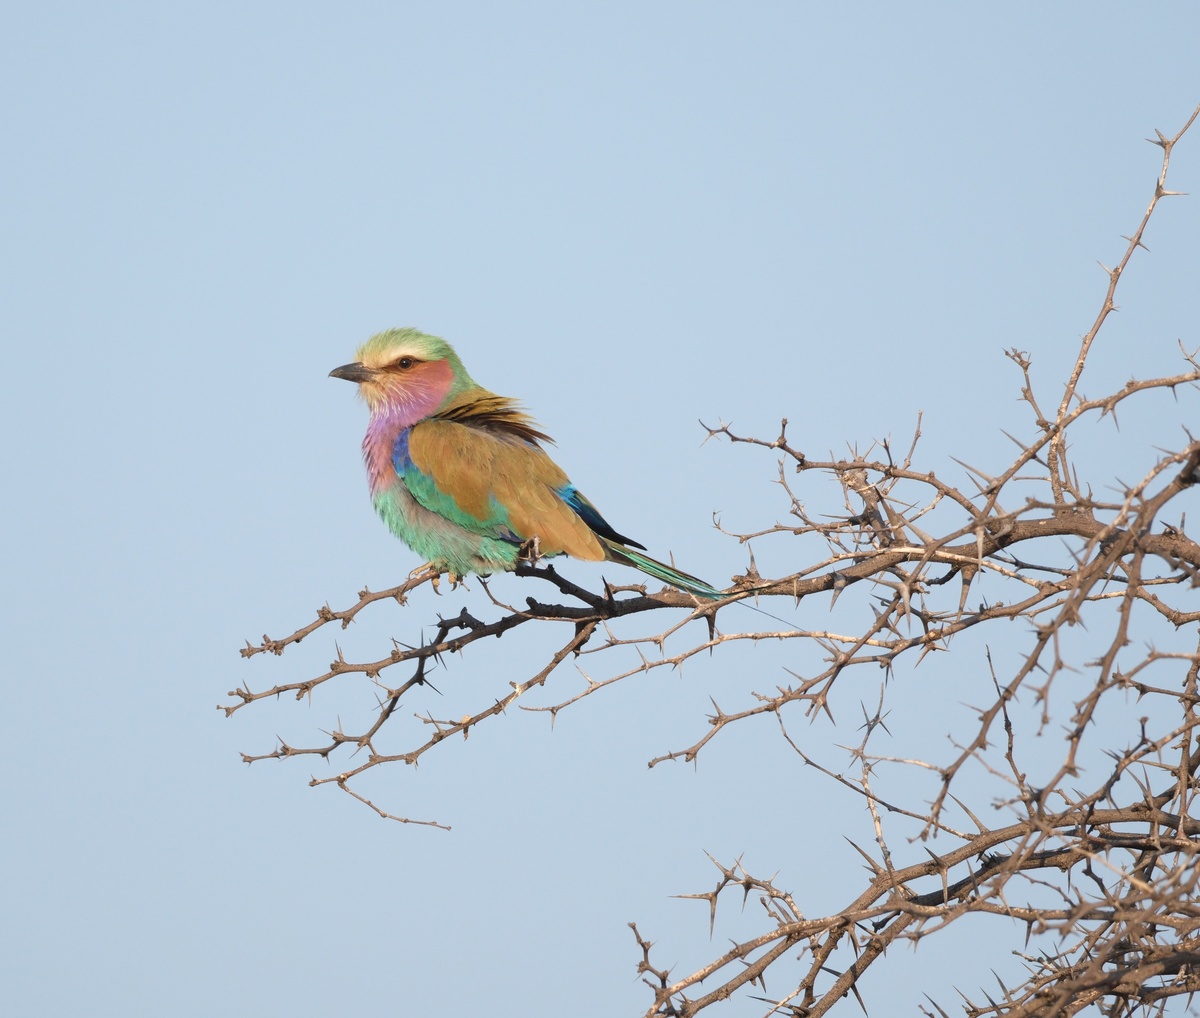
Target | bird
(460,475)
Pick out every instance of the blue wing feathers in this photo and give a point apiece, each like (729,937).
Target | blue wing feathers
(589,514)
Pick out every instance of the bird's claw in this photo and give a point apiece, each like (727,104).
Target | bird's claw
(434,575)
(455,581)
(530,551)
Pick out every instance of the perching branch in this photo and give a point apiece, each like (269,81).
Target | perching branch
(1074,624)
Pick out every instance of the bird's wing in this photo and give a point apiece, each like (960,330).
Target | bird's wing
(493,483)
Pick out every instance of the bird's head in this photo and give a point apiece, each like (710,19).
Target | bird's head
(406,370)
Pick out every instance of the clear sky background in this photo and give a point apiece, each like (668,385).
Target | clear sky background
(631,216)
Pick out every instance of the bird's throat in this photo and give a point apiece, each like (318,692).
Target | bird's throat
(387,430)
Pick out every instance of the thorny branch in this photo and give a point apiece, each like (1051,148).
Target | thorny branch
(1096,861)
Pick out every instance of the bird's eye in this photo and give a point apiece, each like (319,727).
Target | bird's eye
(405,363)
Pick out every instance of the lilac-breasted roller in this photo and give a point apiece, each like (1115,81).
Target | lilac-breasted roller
(458,473)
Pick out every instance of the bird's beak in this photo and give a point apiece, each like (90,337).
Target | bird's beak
(356,372)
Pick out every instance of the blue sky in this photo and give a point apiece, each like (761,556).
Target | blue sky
(633,217)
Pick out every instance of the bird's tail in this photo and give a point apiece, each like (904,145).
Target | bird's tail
(660,571)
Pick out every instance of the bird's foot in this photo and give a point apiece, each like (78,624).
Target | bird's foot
(530,551)
(434,574)
(456,580)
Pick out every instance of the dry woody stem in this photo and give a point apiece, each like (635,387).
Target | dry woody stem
(1063,808)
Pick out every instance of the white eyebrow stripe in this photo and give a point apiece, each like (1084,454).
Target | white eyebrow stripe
(382,358)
